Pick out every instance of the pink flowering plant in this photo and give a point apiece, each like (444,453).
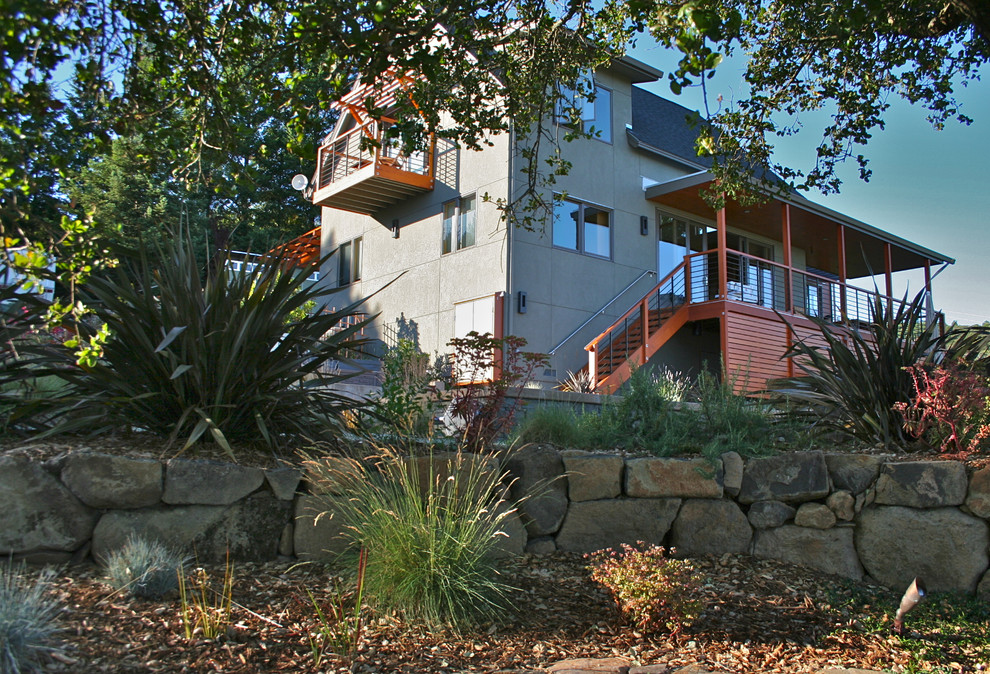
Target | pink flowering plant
(950,405)
(650,589)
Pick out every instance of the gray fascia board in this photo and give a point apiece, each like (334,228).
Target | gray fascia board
(703,177)
(637,144)
(634,69)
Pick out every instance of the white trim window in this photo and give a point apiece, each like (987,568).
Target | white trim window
(459,224)
(349,262)
(582,227)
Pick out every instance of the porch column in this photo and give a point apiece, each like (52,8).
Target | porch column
(499,325)
(723,287)
(723,269)
(841,237)
(785,216)
(929,302)
(888,266)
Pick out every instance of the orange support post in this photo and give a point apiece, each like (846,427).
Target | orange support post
(785,217)
(841,235)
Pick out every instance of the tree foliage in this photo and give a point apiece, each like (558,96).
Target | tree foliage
(846,58)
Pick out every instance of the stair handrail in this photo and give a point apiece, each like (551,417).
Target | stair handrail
(648,272)
(635,306)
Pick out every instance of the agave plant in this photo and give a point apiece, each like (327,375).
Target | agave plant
(221,357)
(854,377)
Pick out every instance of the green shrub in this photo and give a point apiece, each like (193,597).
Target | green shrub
(144,568)
(217,358)
(854,380)
(406,402)
(430,527)
(733,422)
(650,589)
(552,424)
(27,621)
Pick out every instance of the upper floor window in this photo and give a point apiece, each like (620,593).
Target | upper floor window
(458,224)
(582,227)
(349,262)
(593,117)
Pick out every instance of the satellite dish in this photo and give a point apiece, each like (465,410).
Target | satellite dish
(300,182)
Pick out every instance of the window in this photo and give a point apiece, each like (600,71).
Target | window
(591,117)
(349,262)
(458,224)
(582,227)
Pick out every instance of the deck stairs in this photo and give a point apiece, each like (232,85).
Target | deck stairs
(640,332)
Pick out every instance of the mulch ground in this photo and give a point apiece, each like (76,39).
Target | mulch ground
(759,616)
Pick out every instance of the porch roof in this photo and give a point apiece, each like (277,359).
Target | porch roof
(813,228)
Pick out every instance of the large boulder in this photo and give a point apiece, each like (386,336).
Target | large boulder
(815,516)
(39,513)
(943,546)
(593,525)
(978,496)
(249,530)
(539,481)
(710,526)
(829,550)
(922,484)
(319,532)
(673,478)
(196,482)
(284,482)
(105,481)
(770,514)
(592,477)
(791,478)
(511,538)
(853,472)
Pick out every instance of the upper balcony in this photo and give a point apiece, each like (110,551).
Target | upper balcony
(362,171)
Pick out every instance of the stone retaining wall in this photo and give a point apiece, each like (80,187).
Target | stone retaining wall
(848,514)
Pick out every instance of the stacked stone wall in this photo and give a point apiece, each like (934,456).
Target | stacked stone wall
(852,515)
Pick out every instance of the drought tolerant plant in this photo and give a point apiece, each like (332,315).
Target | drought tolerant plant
(486,368)
(555,424)
(655,592)
(204,609)
(27,621)
(430,525)
(405,402)
(855,377)
(216,358)
(144,568)
(732,421)
(340,626)
(950,402)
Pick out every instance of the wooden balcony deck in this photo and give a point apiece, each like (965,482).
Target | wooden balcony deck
(363,172)
(760,299)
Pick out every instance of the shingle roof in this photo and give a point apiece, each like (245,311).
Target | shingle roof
(663,125)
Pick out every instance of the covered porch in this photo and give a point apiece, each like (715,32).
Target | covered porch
(746,269)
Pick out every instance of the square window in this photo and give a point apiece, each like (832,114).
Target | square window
(582,227)
(593,117)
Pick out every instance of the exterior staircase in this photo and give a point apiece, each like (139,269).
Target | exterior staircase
(639,333)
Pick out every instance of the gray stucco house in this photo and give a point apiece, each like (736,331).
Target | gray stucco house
(634,266)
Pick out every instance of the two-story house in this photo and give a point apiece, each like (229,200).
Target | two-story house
(633,266)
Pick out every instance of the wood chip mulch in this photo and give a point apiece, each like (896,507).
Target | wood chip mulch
(759,616)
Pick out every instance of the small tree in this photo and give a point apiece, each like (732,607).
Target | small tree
(486,368)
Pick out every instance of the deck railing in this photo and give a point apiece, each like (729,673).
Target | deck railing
(750,280)
(364,146)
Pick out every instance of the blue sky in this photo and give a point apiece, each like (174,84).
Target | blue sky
(931,187)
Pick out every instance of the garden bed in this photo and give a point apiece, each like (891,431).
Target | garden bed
(758,615)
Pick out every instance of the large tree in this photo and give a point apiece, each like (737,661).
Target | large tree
(844,57)
(477,66)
